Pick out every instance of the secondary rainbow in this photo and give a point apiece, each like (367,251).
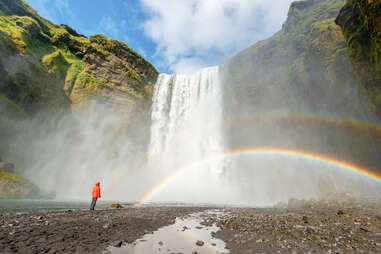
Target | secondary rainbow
(264,151)
(348,122)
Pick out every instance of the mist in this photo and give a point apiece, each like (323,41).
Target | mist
(192,124)
(281,93)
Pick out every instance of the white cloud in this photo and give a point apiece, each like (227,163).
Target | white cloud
(203,32)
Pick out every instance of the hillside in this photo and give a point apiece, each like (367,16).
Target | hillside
(57,87)
(45,64)
(297,90)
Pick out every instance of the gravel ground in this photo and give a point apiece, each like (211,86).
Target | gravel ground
(334,229)
(80,231)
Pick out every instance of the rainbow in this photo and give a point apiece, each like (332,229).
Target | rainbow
(348,122)
(332,120)
(263,151)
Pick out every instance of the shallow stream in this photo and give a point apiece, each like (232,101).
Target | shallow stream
(180,237)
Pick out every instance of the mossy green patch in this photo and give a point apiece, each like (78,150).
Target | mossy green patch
(74,71)
(360,21)
(55,63)
(134,75)
(16,186)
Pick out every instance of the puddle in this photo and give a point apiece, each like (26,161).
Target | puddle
(180,237)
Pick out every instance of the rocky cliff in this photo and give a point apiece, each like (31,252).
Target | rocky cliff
(296,90)
(43,64)
(61,93)
(361,24)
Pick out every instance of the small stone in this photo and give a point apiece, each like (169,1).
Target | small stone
(107,225)
(200,243)
(117,244)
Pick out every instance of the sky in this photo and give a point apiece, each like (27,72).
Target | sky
(177,36)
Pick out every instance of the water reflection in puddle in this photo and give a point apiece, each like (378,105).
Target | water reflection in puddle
(180,237)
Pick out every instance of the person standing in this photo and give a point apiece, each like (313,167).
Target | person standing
(96,194)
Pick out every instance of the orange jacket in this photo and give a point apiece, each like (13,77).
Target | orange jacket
(97,190)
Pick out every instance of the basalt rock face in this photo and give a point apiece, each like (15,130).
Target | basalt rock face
(296,90)
(361,24)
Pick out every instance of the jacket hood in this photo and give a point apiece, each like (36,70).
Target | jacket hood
(97,184)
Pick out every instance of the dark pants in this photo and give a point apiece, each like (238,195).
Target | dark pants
(92,206)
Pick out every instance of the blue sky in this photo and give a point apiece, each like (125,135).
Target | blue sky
(179,36)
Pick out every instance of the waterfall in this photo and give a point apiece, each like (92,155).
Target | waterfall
(187,121)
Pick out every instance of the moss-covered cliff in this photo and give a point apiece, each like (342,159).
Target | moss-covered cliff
(61,91)
(47,65)
(307,59)
(361,24)
(288,86)
(42,64)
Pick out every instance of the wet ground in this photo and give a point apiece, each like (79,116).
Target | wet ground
(81,231)
(320,227)
(187,235)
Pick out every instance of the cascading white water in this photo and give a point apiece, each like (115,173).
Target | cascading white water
(187,113)
(187,127)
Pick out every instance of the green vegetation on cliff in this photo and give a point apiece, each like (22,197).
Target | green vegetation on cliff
(302,69)
(361,24)
(16,186)
(52,66)
(309,60)
(50,73)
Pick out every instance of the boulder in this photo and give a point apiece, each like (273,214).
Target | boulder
(116,206)
(117,244)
